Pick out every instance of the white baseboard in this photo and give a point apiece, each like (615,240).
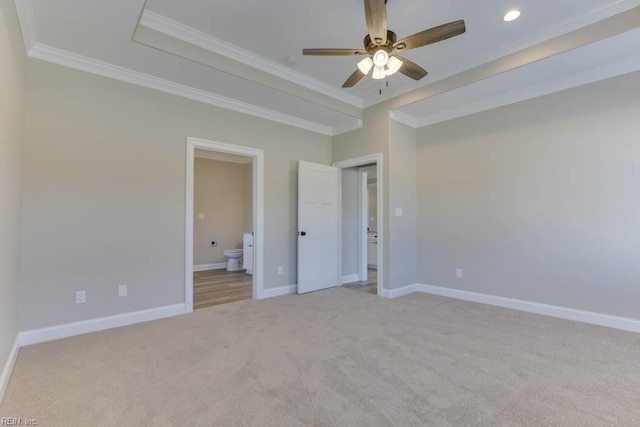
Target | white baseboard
(93,325)
(8,367)
(623,323)
(277,292)
(350,278)
(400,292)
(207,267)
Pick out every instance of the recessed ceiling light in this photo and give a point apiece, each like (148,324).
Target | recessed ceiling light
(511,15)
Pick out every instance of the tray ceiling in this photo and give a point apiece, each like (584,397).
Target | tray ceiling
(275,32)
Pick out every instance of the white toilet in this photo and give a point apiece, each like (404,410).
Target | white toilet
(233,259)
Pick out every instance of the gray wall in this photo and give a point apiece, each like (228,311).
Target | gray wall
(12,81)
(219,192)
(372,138)
(349,221)
(538,201)
(403,239)
(397,143)
(104,192)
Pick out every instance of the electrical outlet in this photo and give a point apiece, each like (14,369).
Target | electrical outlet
(459,273)
(201,216)
(280,270)
(81,297)
(122,291)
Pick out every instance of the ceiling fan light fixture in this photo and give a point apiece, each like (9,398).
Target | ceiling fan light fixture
(393,66)
(512,15)
(380,58)
(379,73)
(365,65)
(380,44)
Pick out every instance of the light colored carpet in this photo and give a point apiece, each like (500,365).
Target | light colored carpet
(335,357)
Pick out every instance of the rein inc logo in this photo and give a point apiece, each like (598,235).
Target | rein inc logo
(18,421)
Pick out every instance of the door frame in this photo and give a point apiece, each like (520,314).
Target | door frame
(258,212)
(376,158)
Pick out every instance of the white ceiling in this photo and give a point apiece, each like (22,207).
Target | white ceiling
(277,29)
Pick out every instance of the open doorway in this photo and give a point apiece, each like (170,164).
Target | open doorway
(222,228)
(224,223)
(362,233)
(367,223)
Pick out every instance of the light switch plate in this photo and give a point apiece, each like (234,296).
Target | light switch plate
(122,291)
(81,297)
(398,211)
(201,216)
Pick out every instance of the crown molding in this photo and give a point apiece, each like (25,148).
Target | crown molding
(404,118)
(348,127)
(83,63)
(205,41)
(24,8)
(574,80)
(187,34)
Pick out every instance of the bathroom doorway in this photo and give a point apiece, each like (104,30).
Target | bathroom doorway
(224,212)
(222,228)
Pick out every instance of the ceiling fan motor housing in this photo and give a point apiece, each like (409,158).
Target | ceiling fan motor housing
(372,47)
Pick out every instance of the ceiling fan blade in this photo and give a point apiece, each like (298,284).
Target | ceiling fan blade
(376,14)
(432,35)
(353,79)
(334,52)
(411,69)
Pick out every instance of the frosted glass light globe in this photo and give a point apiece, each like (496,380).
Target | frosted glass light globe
(380,58)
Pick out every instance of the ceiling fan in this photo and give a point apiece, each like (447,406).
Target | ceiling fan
(380,44)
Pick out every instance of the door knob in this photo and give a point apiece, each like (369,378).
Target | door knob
(303,233)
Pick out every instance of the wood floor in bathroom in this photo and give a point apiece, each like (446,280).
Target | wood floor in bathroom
(213,287)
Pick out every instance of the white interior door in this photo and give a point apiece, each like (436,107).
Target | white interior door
(319,240)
